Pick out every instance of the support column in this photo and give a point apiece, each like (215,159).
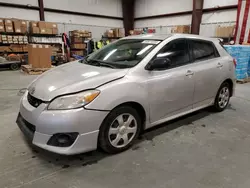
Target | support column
(128,11)
(41,10)
(196,16)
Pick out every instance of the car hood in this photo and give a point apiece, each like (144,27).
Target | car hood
(70,78)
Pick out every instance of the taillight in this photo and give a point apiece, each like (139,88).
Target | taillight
(235,63)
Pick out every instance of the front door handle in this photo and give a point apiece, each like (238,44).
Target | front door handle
(189,73)
(219,65)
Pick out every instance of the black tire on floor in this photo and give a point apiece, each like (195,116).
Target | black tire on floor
(104,141)
(216,106)
(14,66)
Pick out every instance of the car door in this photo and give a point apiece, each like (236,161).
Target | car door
(170,90)
(207,69)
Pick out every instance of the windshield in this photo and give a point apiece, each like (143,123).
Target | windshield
(122,54)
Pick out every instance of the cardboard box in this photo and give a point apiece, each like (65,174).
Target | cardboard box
(39,56)
(17,26)
(35,30)
(42,30)
(78,46)
(25,48)
(51,25)
(183,29)
(42,25)
(49,31)
(2,29)
(23,23)
(33,24)
(76,39)
(8,22)
(1,22)
(54,31)
(9,29)
(80,53)
(23,29)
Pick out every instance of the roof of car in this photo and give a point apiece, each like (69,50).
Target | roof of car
(165,36)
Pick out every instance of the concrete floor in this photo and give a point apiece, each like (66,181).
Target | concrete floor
(203,149)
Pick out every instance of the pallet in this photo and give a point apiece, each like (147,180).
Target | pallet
(243,81)
(34,71)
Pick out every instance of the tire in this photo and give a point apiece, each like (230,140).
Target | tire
(121,121)
(14,66)
(222,98)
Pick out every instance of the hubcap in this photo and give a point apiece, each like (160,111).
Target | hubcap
(223,97)
(122,130)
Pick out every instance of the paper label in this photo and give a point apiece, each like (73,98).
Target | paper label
(1,27)
(8,21)
(23,22)
(54,25)
(33,45)
(18,30)
(40,46)
(46,46)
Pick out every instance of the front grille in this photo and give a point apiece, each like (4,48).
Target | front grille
(34,101)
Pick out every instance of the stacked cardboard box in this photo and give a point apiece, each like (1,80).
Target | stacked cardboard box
(5,49)
(39,56)
(8,26)
(114,33)
(181,29)
(81,33)
(45,28)
(225,31)
(2,29)
(20,26)
(79,46)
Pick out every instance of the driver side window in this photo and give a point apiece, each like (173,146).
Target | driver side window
(176,53)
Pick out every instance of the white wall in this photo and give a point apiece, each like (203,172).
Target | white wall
(156,7)
(6,12)
(21,2)
(169,21)
(216,3)
(145,8)
(102,7)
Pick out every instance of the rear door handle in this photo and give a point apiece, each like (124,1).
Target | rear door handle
(189,73)
(219,65)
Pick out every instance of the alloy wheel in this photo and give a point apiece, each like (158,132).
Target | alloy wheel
(223,97)
(122,130)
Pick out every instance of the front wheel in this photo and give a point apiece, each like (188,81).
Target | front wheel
(222,97)
(119,130)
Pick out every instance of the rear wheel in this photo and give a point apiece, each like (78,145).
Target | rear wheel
(119,130)
(222,97)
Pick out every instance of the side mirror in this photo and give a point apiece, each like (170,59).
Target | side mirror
(158,64)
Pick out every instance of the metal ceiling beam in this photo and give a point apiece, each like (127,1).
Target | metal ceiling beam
(128,11)
(41,10)
(196,16)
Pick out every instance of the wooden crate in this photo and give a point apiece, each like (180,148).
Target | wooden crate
(33,71)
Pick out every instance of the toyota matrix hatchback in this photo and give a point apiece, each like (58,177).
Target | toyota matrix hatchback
(133,84)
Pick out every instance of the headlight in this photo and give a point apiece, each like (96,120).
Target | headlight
(73,101)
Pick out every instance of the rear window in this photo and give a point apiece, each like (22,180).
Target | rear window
(203,50)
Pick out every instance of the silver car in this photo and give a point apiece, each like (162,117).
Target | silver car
(133,84)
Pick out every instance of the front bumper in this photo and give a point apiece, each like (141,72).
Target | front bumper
(46,123)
